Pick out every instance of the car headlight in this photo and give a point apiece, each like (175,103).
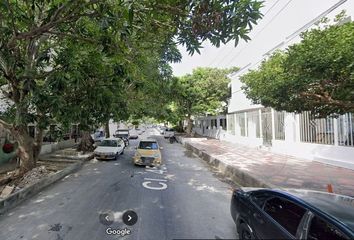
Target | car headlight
(156,155)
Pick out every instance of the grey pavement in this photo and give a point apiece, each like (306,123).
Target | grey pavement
(181,200)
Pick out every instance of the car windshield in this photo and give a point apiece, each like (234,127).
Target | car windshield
(148,145)
(122,134)
(108,143)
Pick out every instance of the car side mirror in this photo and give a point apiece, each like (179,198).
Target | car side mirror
(161,148)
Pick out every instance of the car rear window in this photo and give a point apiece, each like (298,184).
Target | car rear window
(148,145)
(108,143)
(286,213)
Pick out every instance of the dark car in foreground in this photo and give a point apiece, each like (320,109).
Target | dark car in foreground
(292,214)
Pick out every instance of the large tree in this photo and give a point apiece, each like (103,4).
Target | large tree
(315,75)
(34,33)
(205,91)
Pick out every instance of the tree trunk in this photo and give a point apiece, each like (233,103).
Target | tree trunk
(37,146)
(180,126)
(189,125)
(86,143)
(106,129)
(25,149)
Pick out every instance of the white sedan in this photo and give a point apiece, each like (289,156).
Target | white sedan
(169,132)
(109,148)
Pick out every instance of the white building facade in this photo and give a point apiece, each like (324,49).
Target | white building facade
(329,140)
(211,126)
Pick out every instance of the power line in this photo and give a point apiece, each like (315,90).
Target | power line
(299,31)
(216,56)
(272,7)
(260,31)
(230,52)
(313,21)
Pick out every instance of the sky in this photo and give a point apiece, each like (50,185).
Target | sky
(281,19)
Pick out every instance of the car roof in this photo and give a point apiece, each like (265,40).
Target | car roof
(337,206)
(148,140)
(111,138)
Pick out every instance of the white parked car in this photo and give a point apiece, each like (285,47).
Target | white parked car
(139,131)
(98,136)
(161,129)
(109,148)
(133,134)
(169,132)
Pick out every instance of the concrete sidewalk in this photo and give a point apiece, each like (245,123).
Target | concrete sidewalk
(259,168)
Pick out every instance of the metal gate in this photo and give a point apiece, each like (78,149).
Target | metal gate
(267,126)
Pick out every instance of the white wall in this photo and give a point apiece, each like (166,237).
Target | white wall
(49,148)
(239,101)
(330,154)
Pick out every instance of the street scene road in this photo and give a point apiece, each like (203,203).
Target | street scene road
(191,202)
(179,119)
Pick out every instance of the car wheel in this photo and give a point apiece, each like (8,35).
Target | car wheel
(117,156)
(122,152)
(244,232)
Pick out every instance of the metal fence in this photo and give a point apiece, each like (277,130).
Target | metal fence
(231,123)
(254,122)
(345,125)
(241,122)
(316,130)
(279,125)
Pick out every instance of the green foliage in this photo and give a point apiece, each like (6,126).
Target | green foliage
(88,61)
(217,21)
(315,75)
(203,91)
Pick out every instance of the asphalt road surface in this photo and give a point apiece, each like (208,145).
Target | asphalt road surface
(181,200)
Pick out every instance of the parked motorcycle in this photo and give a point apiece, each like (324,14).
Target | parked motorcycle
(172,139)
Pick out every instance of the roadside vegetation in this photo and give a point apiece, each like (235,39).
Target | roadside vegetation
(89,61)
(315,75)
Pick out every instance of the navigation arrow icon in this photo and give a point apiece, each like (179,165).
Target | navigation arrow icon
(130,217)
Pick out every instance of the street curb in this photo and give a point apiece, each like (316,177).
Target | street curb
(28,192)
(237,175)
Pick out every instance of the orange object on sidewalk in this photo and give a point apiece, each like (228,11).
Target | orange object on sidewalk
(329,188)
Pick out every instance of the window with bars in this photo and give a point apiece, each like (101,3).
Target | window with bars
(213,123)
(223,123)
(253,124)
(279,125)
(316,130)
(345,125)
(231,123)
(241,122)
